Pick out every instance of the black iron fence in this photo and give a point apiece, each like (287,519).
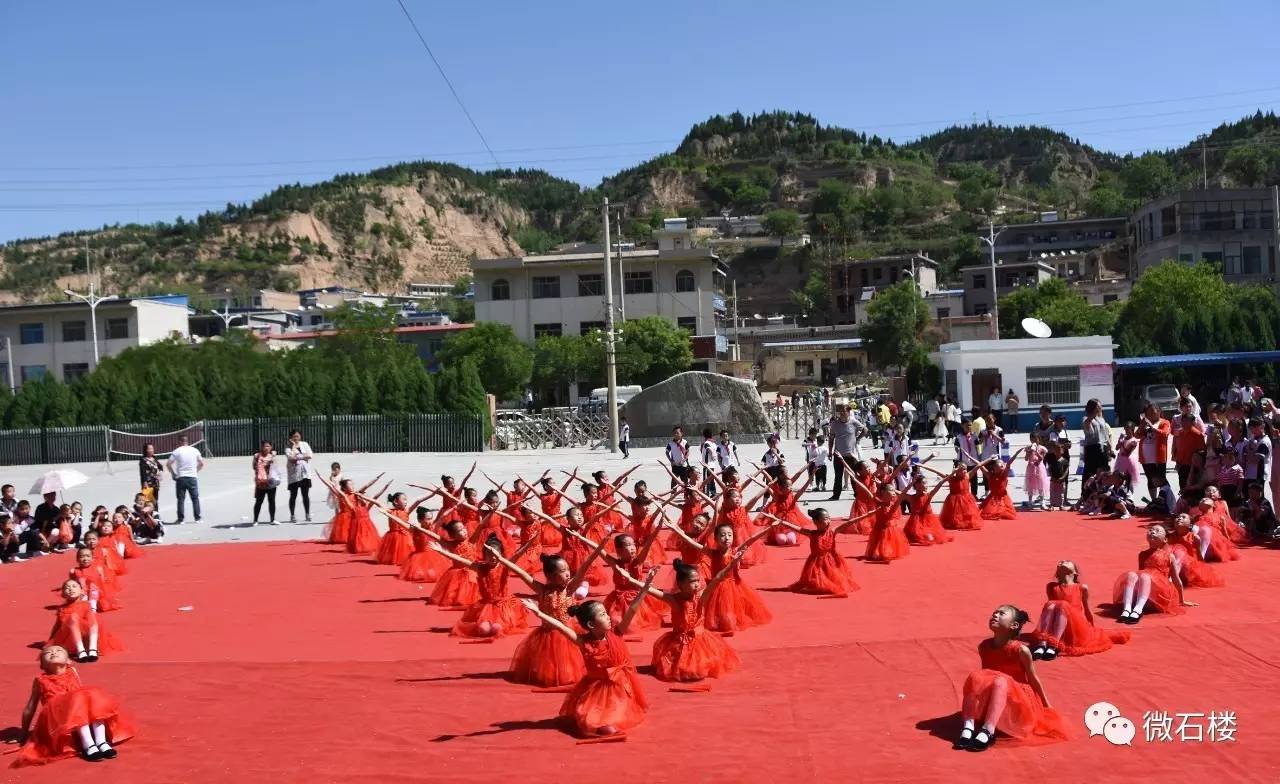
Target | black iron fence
(337,433)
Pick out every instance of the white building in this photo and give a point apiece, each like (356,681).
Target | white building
(1063,373)
(563,293)
(58,337)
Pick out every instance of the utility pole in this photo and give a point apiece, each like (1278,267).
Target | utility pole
(1204,163)
(990,239)
(610,357)
(8,361)
(622,278)
(92,300)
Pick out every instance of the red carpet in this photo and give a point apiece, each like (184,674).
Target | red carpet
(298,662)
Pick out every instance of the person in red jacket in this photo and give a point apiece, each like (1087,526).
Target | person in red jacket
(1188,438)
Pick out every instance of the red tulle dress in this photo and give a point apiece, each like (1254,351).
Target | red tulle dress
(546,657)
(490,524)
(609,693)
(396,544)
(689,510)
(122,536)
(551,508)
(690,652)
(495,605)
(449,511)
(1233,531)
(1222,546)
(825,571)
(864,501)
(611,521)
(642,524)
(695,556)
(79,616)
(782,506)
(732,605)
(531,535)
(362,538)
(1024,715)
(1195,572)
(106,554)
(651,611)
(458,586)
(93,579)
(575,552)
(423,565)
(340,526)
(998,505)
(887,542)
(960,511)
(742,531)
(1081,637)
(923,526)
(1158,563)
(66,705)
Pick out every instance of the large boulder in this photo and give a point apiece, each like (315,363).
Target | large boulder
(695,400)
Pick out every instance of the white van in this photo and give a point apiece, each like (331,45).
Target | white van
(599,400)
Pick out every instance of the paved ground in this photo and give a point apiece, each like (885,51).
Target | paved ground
(227,495)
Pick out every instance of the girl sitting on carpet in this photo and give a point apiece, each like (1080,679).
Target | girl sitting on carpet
(76,626)
(960,511)
(734,513)
(689,652)
(887,541)
(545,658)
(998,505)
(1186,541)
(1157,579)
(495,611)
(634,561)
(105,557)
(608,699)
(783,505)
(730,604)
(93,582)
(423,565)
(1066,624)
(825,571)
(339,529)
(923,527)
(458,586)
(74,718)
(397,544)
(1006,694)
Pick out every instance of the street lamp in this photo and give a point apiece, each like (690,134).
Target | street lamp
(92,300)
(226,315)
(990,239)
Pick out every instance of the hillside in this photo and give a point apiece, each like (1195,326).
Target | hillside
(423,221)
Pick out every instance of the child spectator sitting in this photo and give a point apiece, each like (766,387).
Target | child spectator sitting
(1163,504)
(1115,496)
(1092,492)
(10,540)
(1230,479)
(1257,514)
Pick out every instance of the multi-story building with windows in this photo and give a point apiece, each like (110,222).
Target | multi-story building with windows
(57,338)
(1234,228)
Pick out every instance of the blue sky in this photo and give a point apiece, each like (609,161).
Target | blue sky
(131,110)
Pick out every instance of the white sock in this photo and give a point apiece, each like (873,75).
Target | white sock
(100,735)
(86,737)
(968,724)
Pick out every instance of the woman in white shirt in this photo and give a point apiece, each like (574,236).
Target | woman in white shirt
(298,460)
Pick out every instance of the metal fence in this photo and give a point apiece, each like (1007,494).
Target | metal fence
(547,430)
(338,433)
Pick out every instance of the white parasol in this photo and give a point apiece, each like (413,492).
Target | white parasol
(58,480)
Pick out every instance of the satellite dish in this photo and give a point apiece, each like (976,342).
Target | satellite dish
(1036,328)
(757,317)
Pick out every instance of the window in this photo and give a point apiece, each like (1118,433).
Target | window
(30,334)
(979,281)
(500,289)
(1231,258)
(546,331)
(944,313)
(546,287)
(1051,386)
(1185,258)
(1251,260)
(1221,219)
(587,327)
(953,387)
(980,309)
(637,282)
(1213,257)
(877,273)
(591,285)
(74,370)
(73,331)
(117,328)
(33,372)
(685,281)
(804,368)
(1106,298)
(864,276)
(689,323)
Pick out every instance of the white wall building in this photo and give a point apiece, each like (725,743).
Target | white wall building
(57,337)
(1063,373)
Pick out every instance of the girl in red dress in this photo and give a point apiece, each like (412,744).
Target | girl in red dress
(577,554)
(545,658)
(73,718)
(729,604)
(734,514)
(783,505)
(693,502)
(486,518)
(645,518)
(339,530)
(495,612)
(960,511)
(105,557)
(690,545)
(825,571)
(887,542)
(634,561)
(93,582)
(1066,623)
(605,514)
(76,626)
(1157,580)
(117,533)
(1214,526)
(458,586)
(450,491)
(607,700)
(1187,546)
(1006,694)
(1226,524)
(923,526)
(397,543)
(424,565)
(690,652)
(551,499)
(998,505)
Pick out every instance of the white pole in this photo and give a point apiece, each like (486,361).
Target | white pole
(8,357)
(610,359)
(93,319)
(622,278)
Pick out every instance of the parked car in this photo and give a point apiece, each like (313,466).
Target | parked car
(1163,395)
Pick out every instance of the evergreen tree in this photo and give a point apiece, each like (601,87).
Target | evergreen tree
(26,409)
(345,388)
(393,396)
(471,395)
(61,407)
(447,390)
(423,391)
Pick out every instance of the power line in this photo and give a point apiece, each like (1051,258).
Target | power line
(445,76)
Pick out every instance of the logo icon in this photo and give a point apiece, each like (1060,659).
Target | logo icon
(1103,718)
(1119,731)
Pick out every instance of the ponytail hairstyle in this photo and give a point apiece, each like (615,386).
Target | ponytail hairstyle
(456,526)
(818,513)
(550,562)
(583,613)
(392,498)
(684,572)
(422,513)
(493,541)
(1020,617)
(596,475)
(491,497)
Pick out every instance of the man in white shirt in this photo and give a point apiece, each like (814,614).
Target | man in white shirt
(184,464)
(624,438)
(1185,393)
(678,454)
(907,412)
(818,463)
(726,452)
(298,462)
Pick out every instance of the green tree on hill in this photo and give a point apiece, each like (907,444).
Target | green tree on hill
(503,362)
